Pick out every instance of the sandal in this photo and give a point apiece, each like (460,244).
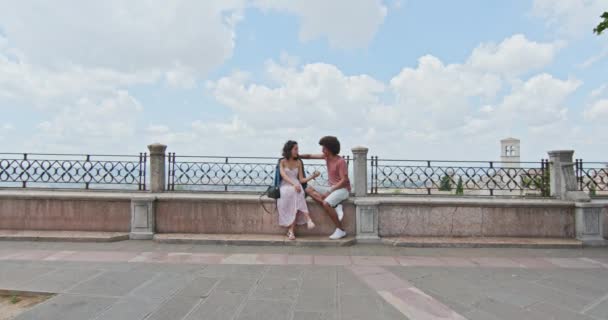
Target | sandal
(290,235)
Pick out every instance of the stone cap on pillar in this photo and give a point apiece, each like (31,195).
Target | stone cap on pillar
(157,149)
(561,154)
(360,149)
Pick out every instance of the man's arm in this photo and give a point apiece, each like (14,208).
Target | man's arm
(312,156)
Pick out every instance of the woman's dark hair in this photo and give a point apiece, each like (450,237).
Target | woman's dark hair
(287,148)
(331,143)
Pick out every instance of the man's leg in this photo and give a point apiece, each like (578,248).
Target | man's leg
(333,215)
(331,212)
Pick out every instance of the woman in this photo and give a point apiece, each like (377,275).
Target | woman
(292,203)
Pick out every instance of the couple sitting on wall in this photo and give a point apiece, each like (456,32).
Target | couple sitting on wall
(292,206)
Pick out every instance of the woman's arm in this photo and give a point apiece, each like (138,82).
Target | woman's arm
(301,174)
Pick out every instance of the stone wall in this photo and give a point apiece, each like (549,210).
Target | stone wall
(234,214)
(225,213)
(475,218)
(64,211)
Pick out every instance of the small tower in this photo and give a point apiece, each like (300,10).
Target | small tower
(509,152)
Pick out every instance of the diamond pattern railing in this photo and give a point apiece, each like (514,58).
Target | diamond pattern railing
(475,178)
(53,170)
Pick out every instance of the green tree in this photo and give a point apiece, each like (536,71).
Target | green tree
(445,184)
(592,191)
(603,25)
(459,187)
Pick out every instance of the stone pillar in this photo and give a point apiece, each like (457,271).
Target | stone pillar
(360,171)
(589,223)
(142,218)
(563,179)
(157,167)
(367,220)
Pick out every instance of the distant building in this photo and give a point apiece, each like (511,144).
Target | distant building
(510,152)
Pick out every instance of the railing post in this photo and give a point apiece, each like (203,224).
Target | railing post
(360,170)
(157,167)
(562,178)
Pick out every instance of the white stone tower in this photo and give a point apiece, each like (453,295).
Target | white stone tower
(509,152)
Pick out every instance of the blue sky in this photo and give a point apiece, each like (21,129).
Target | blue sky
(408,79)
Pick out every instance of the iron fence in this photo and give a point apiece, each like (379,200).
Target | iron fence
(592,177)
(215,173)
(45,170)
(459,177)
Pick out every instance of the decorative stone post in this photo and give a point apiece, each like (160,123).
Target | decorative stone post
(563,180)
(589,223)
(360,171)
(367,220)
(157,167)
(588,216)
(142,218)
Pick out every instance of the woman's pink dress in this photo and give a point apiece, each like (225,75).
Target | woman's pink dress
(291,202)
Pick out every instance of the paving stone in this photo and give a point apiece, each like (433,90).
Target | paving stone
(14,275)
(314,315)
(506,311)
(59,280)
(287,272)
(199,287)
(267,310)
(572,287)
(130,309)
(391,313)
(359,307)
(235,285)
(160,286)
(112,283)
(276,289)
(480,315)
(316,301)
(557,313)
(68,307)
(241,271)
(218,306)
(600,310)
(175,308)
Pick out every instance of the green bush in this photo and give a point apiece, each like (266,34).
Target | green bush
(445,184)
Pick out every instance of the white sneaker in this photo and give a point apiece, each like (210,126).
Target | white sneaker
(340,212)
(338,234)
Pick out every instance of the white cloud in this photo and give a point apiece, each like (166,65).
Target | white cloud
(539,101)
(595,93)
(345,23)
(318,95)
(130,36)
(104,123)
(598,111)
(571,18)
(513,56)
(419,107)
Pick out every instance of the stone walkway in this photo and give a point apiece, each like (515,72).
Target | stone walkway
(145,280)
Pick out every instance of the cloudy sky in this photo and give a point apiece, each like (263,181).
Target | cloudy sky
(409,79)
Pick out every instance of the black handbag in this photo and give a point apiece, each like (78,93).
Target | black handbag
(274,191)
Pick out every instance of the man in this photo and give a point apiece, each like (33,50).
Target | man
(330,198)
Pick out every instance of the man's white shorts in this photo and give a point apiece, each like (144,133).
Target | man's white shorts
(334,198)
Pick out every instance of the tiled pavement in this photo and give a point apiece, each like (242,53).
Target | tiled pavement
(144,280)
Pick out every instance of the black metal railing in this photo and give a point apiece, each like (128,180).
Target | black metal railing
(592,177)
(215,173)
(459,177)
(45,170)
